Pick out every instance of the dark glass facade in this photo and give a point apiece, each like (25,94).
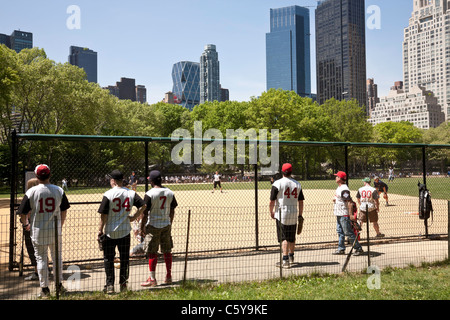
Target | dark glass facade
(18,40)
(86,59)
(186,83)
(288,58)
(341,50)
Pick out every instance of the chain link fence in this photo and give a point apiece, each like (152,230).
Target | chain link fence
(226,235)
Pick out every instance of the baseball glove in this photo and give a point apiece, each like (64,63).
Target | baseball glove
(300,224)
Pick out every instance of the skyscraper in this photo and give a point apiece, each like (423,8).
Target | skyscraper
(18,40)
(186,83)
(288,58)
(341,50)
(141,94)
(372,95)
(86,59)
(209,75)
(426,50)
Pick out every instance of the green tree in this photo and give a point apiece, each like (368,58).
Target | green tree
(396,132)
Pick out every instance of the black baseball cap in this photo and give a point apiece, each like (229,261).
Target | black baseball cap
(116,175)
(154,175)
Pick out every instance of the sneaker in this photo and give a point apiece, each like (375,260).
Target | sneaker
(109,289)
(32,277)
(291,259)
(358,252)
(149,283)
(339,252)
(45,293)
(168,280)
(380,235)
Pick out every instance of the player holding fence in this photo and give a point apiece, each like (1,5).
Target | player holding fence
(286,206)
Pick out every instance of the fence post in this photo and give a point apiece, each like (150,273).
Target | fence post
(256,209)
(56,262)
(12,216)
(368,238)
(346,165)
(187,247)
(424,174)
(146,166)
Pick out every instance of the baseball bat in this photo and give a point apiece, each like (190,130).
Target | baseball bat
(21,257)
(347,260)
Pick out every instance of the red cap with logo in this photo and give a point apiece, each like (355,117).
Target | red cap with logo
(342,175)
(42,171)
(287,167)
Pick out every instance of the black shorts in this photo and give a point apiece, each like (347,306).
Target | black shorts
(217,183)
(286,233)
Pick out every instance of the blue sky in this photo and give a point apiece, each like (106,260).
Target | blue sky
(143,39)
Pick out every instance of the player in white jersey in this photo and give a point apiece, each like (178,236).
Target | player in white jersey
(343,212)
(368,200)
(157,227)
(286,206)
(38,208)
(216,179)
(115,209)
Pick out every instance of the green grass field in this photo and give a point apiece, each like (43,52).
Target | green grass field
(428,282)
(439,187)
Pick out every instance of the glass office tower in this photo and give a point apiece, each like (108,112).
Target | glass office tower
(86,59)
(186,83)
(341,50)
(288,58)
(209,75)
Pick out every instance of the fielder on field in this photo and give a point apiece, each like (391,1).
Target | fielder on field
(216,179)
(115,209)
(157,227)
(286,206)
(382,188)
(343,211)
(367,198)
(38,208)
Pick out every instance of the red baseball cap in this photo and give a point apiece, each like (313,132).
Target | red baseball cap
(42,171)
(342,175)
(287,167)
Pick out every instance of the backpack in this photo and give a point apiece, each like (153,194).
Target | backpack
(425,205)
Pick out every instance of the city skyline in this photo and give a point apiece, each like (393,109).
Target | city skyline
(239,31)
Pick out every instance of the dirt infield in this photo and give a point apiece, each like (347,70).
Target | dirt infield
(223,221)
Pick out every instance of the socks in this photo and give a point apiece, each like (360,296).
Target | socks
(168,261)
(153,260)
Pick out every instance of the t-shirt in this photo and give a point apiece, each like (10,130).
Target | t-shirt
(217,177)
(286,192)
(380,185)
(45,201)
(367,195)
(118,203)
(342,196)
(159,201)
